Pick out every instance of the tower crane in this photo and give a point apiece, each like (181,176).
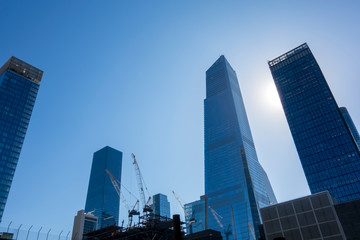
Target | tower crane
(133,212)
(189,218)
(233,221)
(115,183)
(146,205)
(227,231)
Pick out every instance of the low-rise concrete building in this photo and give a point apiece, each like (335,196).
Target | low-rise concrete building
(308,218)
(83,223)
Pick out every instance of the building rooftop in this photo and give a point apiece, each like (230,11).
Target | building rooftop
(288,54)
(24,69)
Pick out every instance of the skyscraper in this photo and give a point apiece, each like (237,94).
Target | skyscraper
(327,150)
(351,125)
(161,205)
(195,212)
(102,199)
(235,183)
(19,84)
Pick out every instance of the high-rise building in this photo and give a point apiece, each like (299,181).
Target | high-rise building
(350,125)
(195,215)
(19,84)
(235,183)
(161,205)
(102,199)
(83,223)
(326,147)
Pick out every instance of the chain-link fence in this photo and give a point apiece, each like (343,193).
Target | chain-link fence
(18,231)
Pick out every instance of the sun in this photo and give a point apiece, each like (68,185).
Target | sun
(271,96)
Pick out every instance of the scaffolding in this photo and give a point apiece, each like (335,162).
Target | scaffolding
(150,226)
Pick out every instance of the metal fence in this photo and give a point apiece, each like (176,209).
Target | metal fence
(32,232)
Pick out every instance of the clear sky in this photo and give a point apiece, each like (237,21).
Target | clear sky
(131,75)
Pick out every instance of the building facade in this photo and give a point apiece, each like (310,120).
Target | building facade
(349,216)
(311,217)
(346,115)
(19,84)
(83,223)
(195,218)
(235,183)
(161,205)
(327,150)
(207,234)
(102,199)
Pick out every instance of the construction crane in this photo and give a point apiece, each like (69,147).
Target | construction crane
(227,231)
(132,213)
(146,205)
(115,183)
(233,221)
(190,219)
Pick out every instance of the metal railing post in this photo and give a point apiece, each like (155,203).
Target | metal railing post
(38,234)
(48,234)
(67,235)
(8,227)
(17,234)
(60,234)
(28,232)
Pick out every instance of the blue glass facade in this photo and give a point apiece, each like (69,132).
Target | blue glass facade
(196,210)
(327,150)
(350,125)
(19,84)
(235,183)
(102,199)
(161,205)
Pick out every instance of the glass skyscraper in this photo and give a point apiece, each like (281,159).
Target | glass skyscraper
(19,84)
(235,183)
(102,199)
(195,210)
(161,205)
(326,147)
(350,125)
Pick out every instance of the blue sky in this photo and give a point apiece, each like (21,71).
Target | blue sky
(131,75)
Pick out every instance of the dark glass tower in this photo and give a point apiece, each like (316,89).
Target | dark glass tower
(350,125)
(327,150)
(235,183)
(19,84)
(102,199)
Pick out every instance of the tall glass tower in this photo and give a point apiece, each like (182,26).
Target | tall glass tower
(326,147)
(19,84)
(346,115)
(195,212)
(161,205)
(102,199)
(235,183)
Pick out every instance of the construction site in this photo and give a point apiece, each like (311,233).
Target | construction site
(146,224)
(150,226)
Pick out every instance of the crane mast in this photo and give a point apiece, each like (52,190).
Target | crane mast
(216,216)
(233,221)
(189,218)
(227,231)
(146,206)
(114,181)
(132,212)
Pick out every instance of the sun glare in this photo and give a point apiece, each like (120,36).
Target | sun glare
(271,97)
